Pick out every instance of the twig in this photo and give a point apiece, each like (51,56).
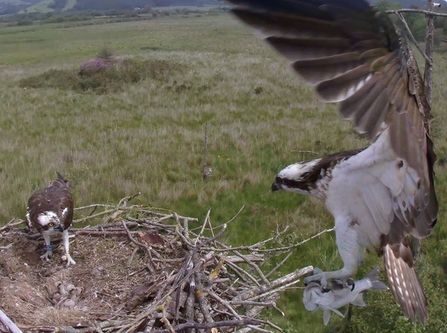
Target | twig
(199,283)
(279,265)
(224,323)
(203,226)
(254,266)
(12,224)
(420,11)
(429,43)
(94,206)
(123,202)
(144,246)
(206,169)
(401,17)
(8,323)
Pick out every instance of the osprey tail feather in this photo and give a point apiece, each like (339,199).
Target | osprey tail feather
(404,282)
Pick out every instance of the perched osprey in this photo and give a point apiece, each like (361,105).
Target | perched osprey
(380,195)
(50,211)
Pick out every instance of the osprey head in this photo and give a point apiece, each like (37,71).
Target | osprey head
(50,222)
(299,177)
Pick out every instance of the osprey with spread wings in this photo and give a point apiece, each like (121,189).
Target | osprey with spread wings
(380,195)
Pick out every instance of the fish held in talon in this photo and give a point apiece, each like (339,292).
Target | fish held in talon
(340,294)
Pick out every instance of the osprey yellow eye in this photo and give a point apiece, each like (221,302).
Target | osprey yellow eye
(51,224)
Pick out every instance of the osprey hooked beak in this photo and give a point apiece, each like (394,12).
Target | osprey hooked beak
(276,186)
(59,227)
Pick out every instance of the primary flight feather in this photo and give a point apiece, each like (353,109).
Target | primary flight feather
(380,195)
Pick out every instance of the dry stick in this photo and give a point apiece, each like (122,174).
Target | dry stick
(255,247)
(241,272)
(205,145)
(93,206)
(224,323)
(190,305)
(123,202)
(90,217)
(229,307)
(428,54)
(285,248)
(144,246)
(161,299)
(129,262)
(12,224)
(429,43)
(8,323)
(230,220)
(203,227)
(167,216)
(265,322)
(279,265)
(205,170)
(166,322)
(98,233)
(428,80)
(255,267)
(204,306)
(178,281)
(420,11)
(275,286)
(402,19)
(224,303)
(143,222)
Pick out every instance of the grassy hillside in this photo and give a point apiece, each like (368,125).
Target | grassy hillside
(40,7)
(45,6)
(148,136)
(70,4)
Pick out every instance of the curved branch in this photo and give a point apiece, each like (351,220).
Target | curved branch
(419,11)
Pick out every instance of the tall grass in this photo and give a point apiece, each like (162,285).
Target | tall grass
(147,135)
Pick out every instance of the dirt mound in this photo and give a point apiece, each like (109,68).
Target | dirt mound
(138,270)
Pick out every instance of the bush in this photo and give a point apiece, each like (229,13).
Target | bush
(25,22)
(102,77)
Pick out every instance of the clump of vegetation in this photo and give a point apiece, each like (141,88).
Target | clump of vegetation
(106,54)
(102,76)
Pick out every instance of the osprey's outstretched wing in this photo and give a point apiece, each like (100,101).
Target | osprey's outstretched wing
(354,56)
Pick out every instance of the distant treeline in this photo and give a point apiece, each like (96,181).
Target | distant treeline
(132,4)
(76,18)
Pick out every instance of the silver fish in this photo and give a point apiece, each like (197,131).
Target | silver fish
(340,294)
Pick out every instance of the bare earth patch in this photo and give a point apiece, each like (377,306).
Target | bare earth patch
(138,271)
(39,293)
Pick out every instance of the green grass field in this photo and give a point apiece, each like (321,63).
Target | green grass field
(148,137)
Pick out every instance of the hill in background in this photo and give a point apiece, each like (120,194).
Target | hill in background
(8,7)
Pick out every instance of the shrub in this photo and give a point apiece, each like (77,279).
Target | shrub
(25,22)
(102,77)
(105,54)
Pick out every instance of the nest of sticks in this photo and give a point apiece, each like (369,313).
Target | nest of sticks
(173,274)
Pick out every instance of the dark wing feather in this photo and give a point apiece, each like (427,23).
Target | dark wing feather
(354,56)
